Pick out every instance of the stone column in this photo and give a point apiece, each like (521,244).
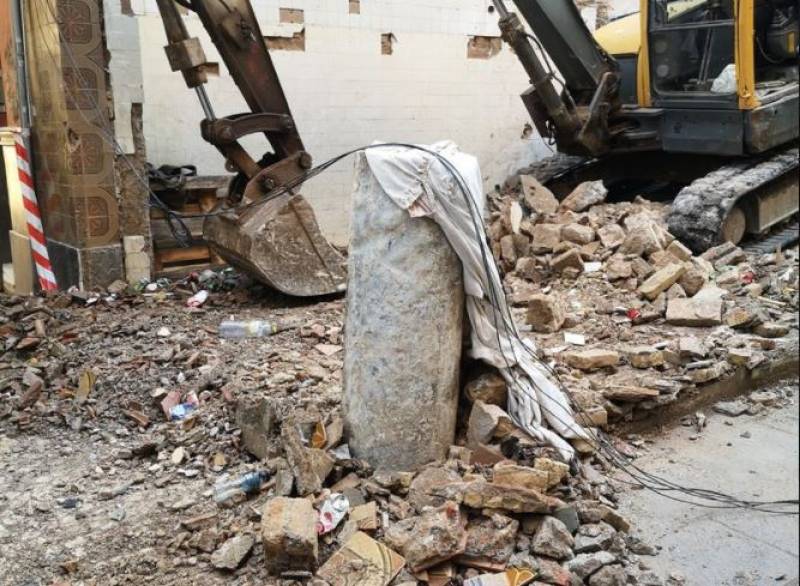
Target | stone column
(403,333)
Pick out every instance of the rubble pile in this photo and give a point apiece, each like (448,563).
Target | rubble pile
(632,320)
(220,457)
(173,455)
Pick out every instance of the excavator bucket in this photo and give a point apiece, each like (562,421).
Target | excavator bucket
(279,243)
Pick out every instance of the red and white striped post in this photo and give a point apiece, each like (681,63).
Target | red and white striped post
(41,259)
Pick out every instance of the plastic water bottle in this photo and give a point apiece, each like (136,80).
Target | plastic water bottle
(226,489)
(254,328)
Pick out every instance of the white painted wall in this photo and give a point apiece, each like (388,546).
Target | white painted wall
(622,7)
(344,93)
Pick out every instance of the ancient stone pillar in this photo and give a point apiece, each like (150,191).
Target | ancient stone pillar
(403,333)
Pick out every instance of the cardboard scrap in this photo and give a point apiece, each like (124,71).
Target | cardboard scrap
(85,385)
(320,437)
(376,564)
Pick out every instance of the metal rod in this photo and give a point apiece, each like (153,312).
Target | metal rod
(501,8)
(205,102)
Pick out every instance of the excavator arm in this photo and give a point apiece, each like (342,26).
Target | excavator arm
(580,115)
(278,241)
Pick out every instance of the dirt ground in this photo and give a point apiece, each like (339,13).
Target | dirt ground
(99,487)
(87,496)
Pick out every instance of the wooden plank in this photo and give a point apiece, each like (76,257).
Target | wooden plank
(189,208)
(180,271)
(163,237)
(177,255)
(207,182)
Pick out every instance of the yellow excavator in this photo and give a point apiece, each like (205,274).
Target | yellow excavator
(699,94)
(696,96)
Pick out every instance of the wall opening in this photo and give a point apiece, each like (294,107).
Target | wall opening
(482,47)
(387,43)
(297,42)
(291,16)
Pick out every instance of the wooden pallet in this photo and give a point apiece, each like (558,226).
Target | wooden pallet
(170,259)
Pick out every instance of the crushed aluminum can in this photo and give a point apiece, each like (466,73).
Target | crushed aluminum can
(331,513)
(198,299)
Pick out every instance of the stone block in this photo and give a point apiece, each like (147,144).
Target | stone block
(490,388)
(537,197)
(661,280)
(546,313)
(585,196)
(611,235)
(578,233)
(591,359)
(571,259)
(403,277)
(546,237)
(289,535)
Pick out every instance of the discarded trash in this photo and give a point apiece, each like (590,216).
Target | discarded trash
(198,299)
(181,411)
(574,339)
(342,452)
(633,314)
(85,385)
(319,438)
(254,328)
(592,267)
(177,411)
(513,577)
(227,488)
(331,513)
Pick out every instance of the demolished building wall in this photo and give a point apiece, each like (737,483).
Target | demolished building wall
(73,165)
(91,198)
(412,71)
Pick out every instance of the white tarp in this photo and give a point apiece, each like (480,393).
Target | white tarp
(421,184)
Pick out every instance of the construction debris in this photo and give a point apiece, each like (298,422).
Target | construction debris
(650,312)
(105,374)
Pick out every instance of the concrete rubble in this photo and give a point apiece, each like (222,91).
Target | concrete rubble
(96,376)
(631,319)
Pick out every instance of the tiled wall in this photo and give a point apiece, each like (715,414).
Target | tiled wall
(73,164)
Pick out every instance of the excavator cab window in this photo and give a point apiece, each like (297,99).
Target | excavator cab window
(692,47)
(777,37)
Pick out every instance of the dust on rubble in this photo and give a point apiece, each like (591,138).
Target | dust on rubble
(632,320)
(139,446)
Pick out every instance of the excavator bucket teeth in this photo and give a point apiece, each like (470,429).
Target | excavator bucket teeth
(279,243)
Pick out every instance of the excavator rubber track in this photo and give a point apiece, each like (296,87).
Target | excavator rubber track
(701,209)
